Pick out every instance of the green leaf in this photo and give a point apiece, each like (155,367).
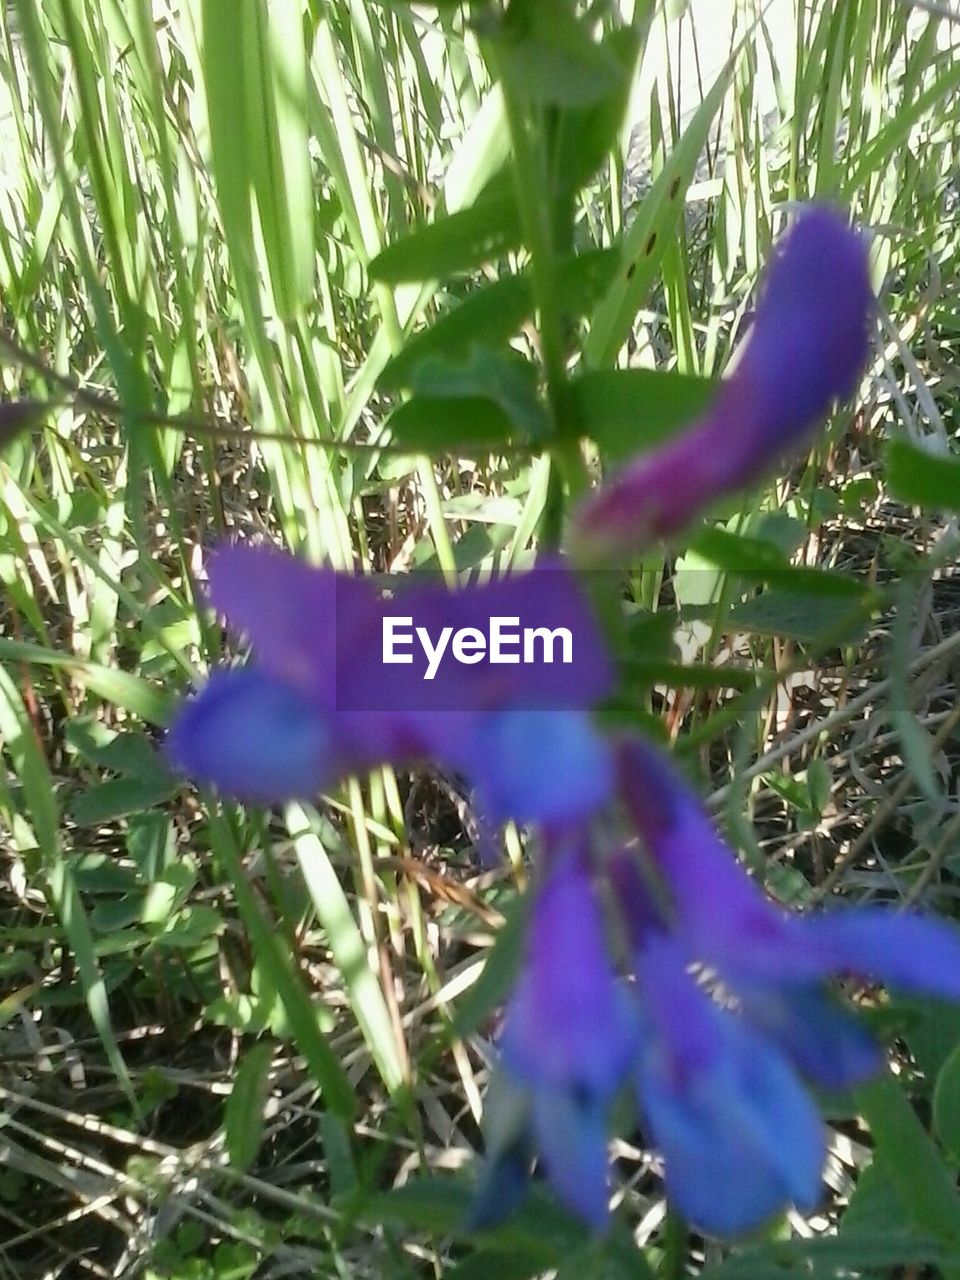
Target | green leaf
(688,675)
(646,241)
(30,765)
(307,1018)
(830,1257)
(191,929)
(439,1205)
(133,754)
(499,1266)
(455,243)
(509,381)
(102,873)
(487,397)
(548,56)
(493,314)
(337,1152)
(433,425)
(168,892)
(906,1153)
(243,1112)
(587,134)
(151,843)
(874,1207)
(819,785)
(487,316)
(114,915)
(346,943)
(946,1104)
(757,559)
(923,479)
(628,410)
(800,616)
(121,688)
(120,798)
(582,278)
(498,974)
(932,1030)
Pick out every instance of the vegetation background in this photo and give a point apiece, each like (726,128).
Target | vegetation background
(239,1044)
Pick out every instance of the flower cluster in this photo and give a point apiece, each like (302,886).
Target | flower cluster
(716,1012)
(652,959)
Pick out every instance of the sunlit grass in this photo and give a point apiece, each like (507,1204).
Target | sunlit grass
(190,196)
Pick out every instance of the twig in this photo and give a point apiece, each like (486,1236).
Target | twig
(832,721)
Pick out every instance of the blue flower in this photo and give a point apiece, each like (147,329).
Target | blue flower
(740,1135)
(319,701)
(736,1008)
(569,1040)
(719,1014)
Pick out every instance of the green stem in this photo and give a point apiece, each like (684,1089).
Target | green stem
(531,186)
(673,1264)
(568,474)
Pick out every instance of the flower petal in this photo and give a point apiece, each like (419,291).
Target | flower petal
(570,1024)
(571,1137)
(808,345)
(296,615)
(824,1040)
(537,766)
(546,600)
(254,737)
(723,914)
(913,953)
(740,1136)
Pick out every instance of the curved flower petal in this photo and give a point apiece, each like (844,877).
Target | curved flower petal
(727,921)
(825,1041)
(911,952)
(534,609)
(723,914)
(808,345)
(518,728)
(295,614)
(740,1136)
(571,1137)
(254,737)
(810,335)
(570,1024)
(545,766)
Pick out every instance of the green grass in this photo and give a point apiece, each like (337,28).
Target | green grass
(228,1038)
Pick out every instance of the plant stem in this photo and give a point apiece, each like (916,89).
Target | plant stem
(568,474)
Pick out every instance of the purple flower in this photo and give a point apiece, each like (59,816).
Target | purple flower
(807,348)
(320,701)
(729,923)
(720,1014)
(568,1043)
(739,1133)
(722,1088)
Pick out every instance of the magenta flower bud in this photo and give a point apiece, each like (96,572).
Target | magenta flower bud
(807,348)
